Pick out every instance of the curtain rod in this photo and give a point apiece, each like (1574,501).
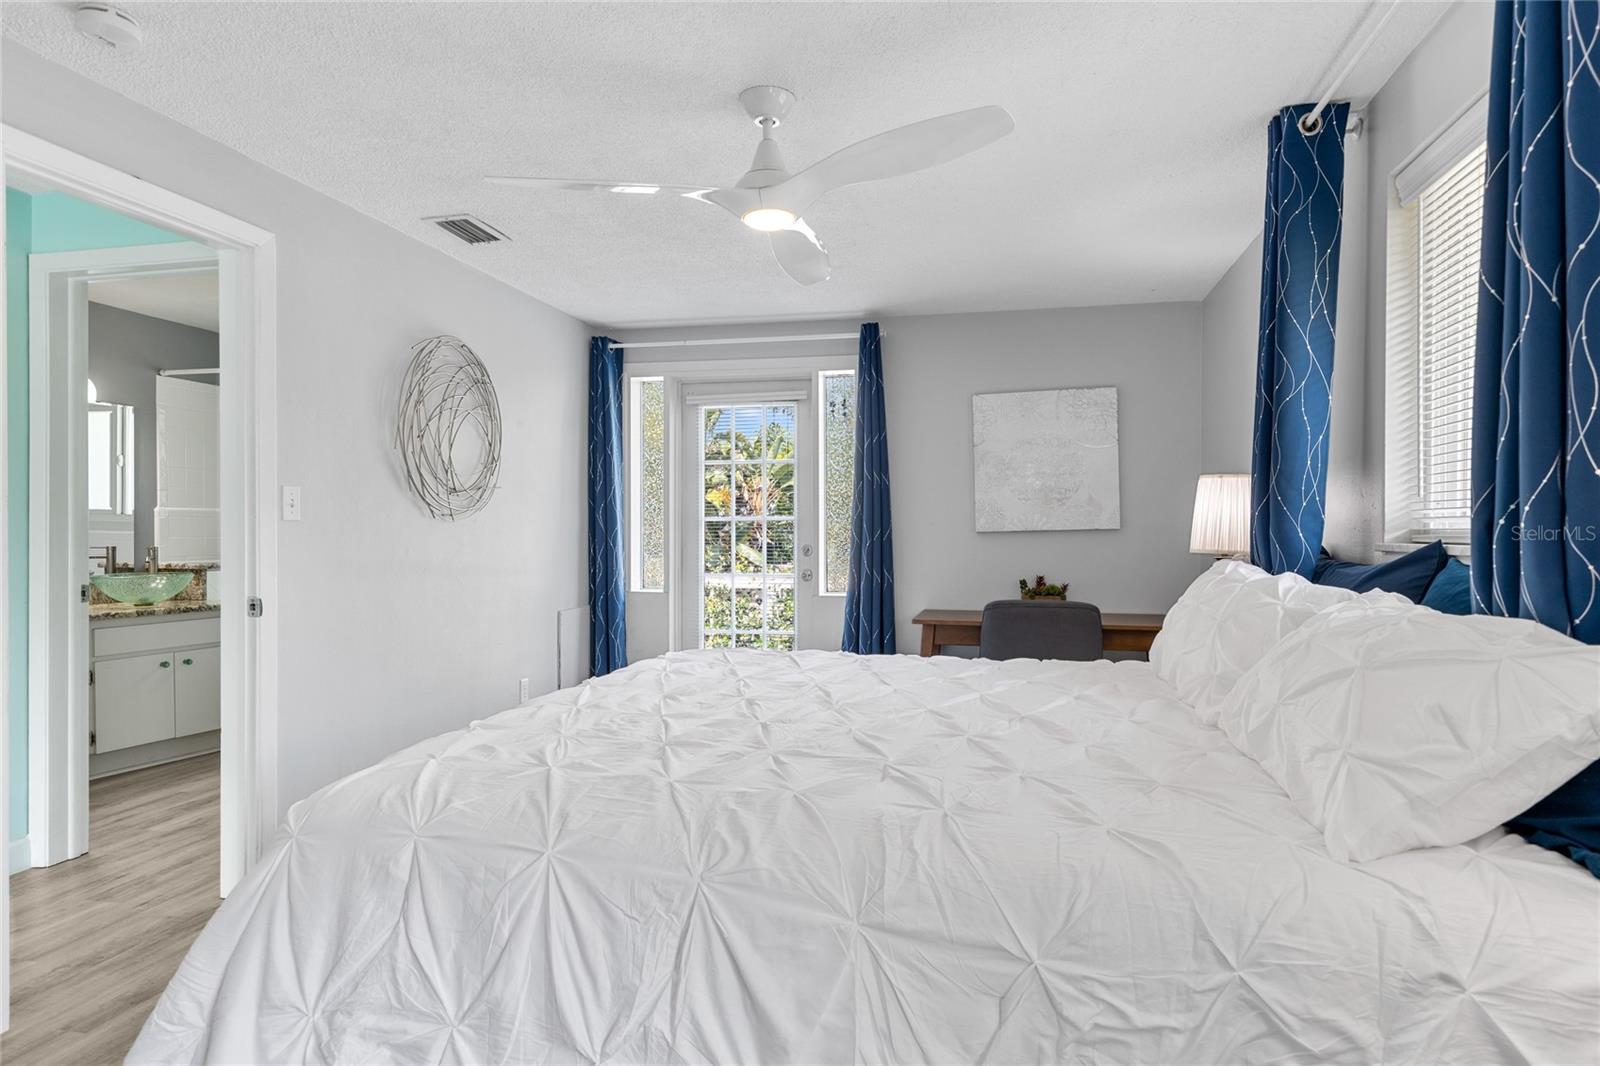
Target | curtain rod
(782,338)
(1312,120)
(186,373)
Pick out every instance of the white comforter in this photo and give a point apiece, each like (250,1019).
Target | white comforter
(756,857)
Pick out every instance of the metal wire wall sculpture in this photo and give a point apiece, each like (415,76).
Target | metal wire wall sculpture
(448,430)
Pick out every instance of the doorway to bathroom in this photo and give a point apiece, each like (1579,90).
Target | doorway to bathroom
(218,687)
(125,651)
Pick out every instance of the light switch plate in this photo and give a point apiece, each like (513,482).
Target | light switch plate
(291,503)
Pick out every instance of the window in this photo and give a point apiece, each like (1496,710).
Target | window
(1435,237)
(1450,234)
(110,456)
(648,474)
(747,526)
(838,477)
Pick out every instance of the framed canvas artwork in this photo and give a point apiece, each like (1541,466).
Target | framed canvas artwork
(1046,460)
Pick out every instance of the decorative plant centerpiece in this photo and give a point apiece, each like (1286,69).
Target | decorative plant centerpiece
(1040,590)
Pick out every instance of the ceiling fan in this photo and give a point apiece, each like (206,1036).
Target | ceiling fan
(771,199)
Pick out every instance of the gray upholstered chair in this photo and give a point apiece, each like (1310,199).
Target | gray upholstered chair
(1041,629)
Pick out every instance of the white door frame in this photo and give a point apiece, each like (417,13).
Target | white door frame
(58,547)
(681,440)
(246,261)
(750,392)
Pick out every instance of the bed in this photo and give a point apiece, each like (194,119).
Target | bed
(741,856)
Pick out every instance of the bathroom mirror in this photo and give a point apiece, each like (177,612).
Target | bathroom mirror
(111,458)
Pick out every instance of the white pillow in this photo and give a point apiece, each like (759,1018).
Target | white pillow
(1397,727)
(1228,619)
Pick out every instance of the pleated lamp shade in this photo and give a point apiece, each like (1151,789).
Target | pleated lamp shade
(1221,515)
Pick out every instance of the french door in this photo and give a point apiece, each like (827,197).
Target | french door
(750,528)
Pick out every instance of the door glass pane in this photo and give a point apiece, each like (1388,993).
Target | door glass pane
(719,546)
(779,497)
(719,421)
(746,432)
(780,545)
(749,491)
(719,494)
(778,442)
(748,527)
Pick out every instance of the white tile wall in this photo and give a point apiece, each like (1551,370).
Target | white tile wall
(188,493)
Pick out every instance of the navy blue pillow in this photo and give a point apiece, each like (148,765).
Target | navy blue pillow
(1410,575)
(1567,820)
(1451,591)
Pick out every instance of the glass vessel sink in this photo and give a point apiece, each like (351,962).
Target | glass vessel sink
(143,589)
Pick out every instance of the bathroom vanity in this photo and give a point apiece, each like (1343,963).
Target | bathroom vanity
(155,691)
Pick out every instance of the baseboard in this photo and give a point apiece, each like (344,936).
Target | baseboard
(19,856)
(125,760)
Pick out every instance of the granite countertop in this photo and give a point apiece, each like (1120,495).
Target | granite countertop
(98,611)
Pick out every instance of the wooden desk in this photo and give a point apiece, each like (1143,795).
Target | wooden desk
(944,628)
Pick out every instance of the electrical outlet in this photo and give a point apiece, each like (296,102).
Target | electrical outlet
(522,690)
(291,503)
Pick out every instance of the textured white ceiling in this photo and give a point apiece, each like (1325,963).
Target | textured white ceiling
(188,299)
(1134,174)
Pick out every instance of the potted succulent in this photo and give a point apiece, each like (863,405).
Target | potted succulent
(1041,590)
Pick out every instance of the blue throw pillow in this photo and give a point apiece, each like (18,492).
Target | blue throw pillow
(1567,820)
(1451,591)
(1410,575)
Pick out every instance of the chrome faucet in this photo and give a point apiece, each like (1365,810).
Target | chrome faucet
(152,559)
(108,554)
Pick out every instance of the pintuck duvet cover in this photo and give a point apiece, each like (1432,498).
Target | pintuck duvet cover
(754,857)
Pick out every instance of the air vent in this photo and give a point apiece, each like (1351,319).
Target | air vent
(467,228)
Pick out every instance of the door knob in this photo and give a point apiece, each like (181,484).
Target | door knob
(805,575)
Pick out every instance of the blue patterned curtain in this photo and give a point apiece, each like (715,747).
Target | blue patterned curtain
(608,632)
(869,597)
(1294,357)
(1536,388)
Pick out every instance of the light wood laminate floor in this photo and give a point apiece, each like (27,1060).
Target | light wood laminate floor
(95,940)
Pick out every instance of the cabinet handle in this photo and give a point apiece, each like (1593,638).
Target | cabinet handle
(165,664)
(188,662)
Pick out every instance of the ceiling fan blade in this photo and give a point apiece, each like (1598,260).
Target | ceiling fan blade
(590,185)
(899,151)
(735,201)
(800,254)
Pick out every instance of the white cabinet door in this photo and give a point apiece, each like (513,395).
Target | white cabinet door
(133,701)
(199,688)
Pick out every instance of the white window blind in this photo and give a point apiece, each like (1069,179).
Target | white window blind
(1449,238)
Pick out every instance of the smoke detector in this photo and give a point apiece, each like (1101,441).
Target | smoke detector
(110,25)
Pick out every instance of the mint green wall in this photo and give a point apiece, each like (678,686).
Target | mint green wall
(19,239)
(48,222)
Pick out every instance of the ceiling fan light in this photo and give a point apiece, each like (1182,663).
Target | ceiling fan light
(638,190)
(768,219)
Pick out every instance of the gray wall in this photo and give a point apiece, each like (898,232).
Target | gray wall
(1439,80)
(933,365)
(392,626)
(125,351)
(1231,323)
